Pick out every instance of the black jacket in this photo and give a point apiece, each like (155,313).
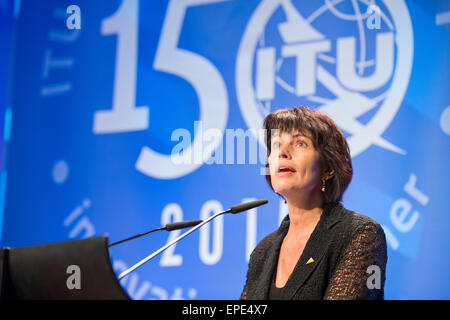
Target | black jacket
(349,257)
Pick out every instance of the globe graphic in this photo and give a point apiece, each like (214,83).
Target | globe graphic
(358,75)
(332,97)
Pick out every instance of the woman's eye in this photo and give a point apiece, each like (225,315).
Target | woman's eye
(301,144)
(275,145)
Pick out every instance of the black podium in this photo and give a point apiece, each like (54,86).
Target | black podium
(75,269)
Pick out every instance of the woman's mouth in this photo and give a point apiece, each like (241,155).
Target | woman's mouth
(285,171)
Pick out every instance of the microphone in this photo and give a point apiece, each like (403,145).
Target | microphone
(167,227)
(182,224)
(247,205)
(233,209)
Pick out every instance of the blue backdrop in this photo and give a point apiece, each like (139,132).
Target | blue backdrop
(148,112)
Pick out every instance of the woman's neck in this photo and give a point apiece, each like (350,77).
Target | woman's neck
(304,215)
(301,218)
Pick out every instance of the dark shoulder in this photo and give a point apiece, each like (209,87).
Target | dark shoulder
(268,241)
(353,223)
(265,244)
(354,220)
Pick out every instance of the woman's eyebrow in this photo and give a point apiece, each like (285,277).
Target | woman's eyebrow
(300,135)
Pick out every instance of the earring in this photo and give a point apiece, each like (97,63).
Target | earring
(323,185)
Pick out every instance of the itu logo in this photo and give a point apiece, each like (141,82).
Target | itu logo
(301,53)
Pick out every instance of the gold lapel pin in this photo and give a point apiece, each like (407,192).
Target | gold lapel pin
(311,260)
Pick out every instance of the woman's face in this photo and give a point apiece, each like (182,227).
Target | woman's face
(294,164)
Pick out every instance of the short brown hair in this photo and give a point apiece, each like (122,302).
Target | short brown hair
(327,138)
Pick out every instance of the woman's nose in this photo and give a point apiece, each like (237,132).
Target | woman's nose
(284,152)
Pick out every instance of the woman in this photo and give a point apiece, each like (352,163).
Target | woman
(321,250)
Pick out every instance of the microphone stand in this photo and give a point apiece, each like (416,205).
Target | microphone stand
(137,265)
(136,236)
(167,227)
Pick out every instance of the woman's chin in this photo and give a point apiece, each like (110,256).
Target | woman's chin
(286,191)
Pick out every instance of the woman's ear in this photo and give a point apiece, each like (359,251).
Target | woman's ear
(328,174)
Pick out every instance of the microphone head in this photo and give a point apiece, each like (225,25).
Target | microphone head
(182,224)
(247,205)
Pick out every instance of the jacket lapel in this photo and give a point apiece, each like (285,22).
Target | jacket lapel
(270,263)
(315,249)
